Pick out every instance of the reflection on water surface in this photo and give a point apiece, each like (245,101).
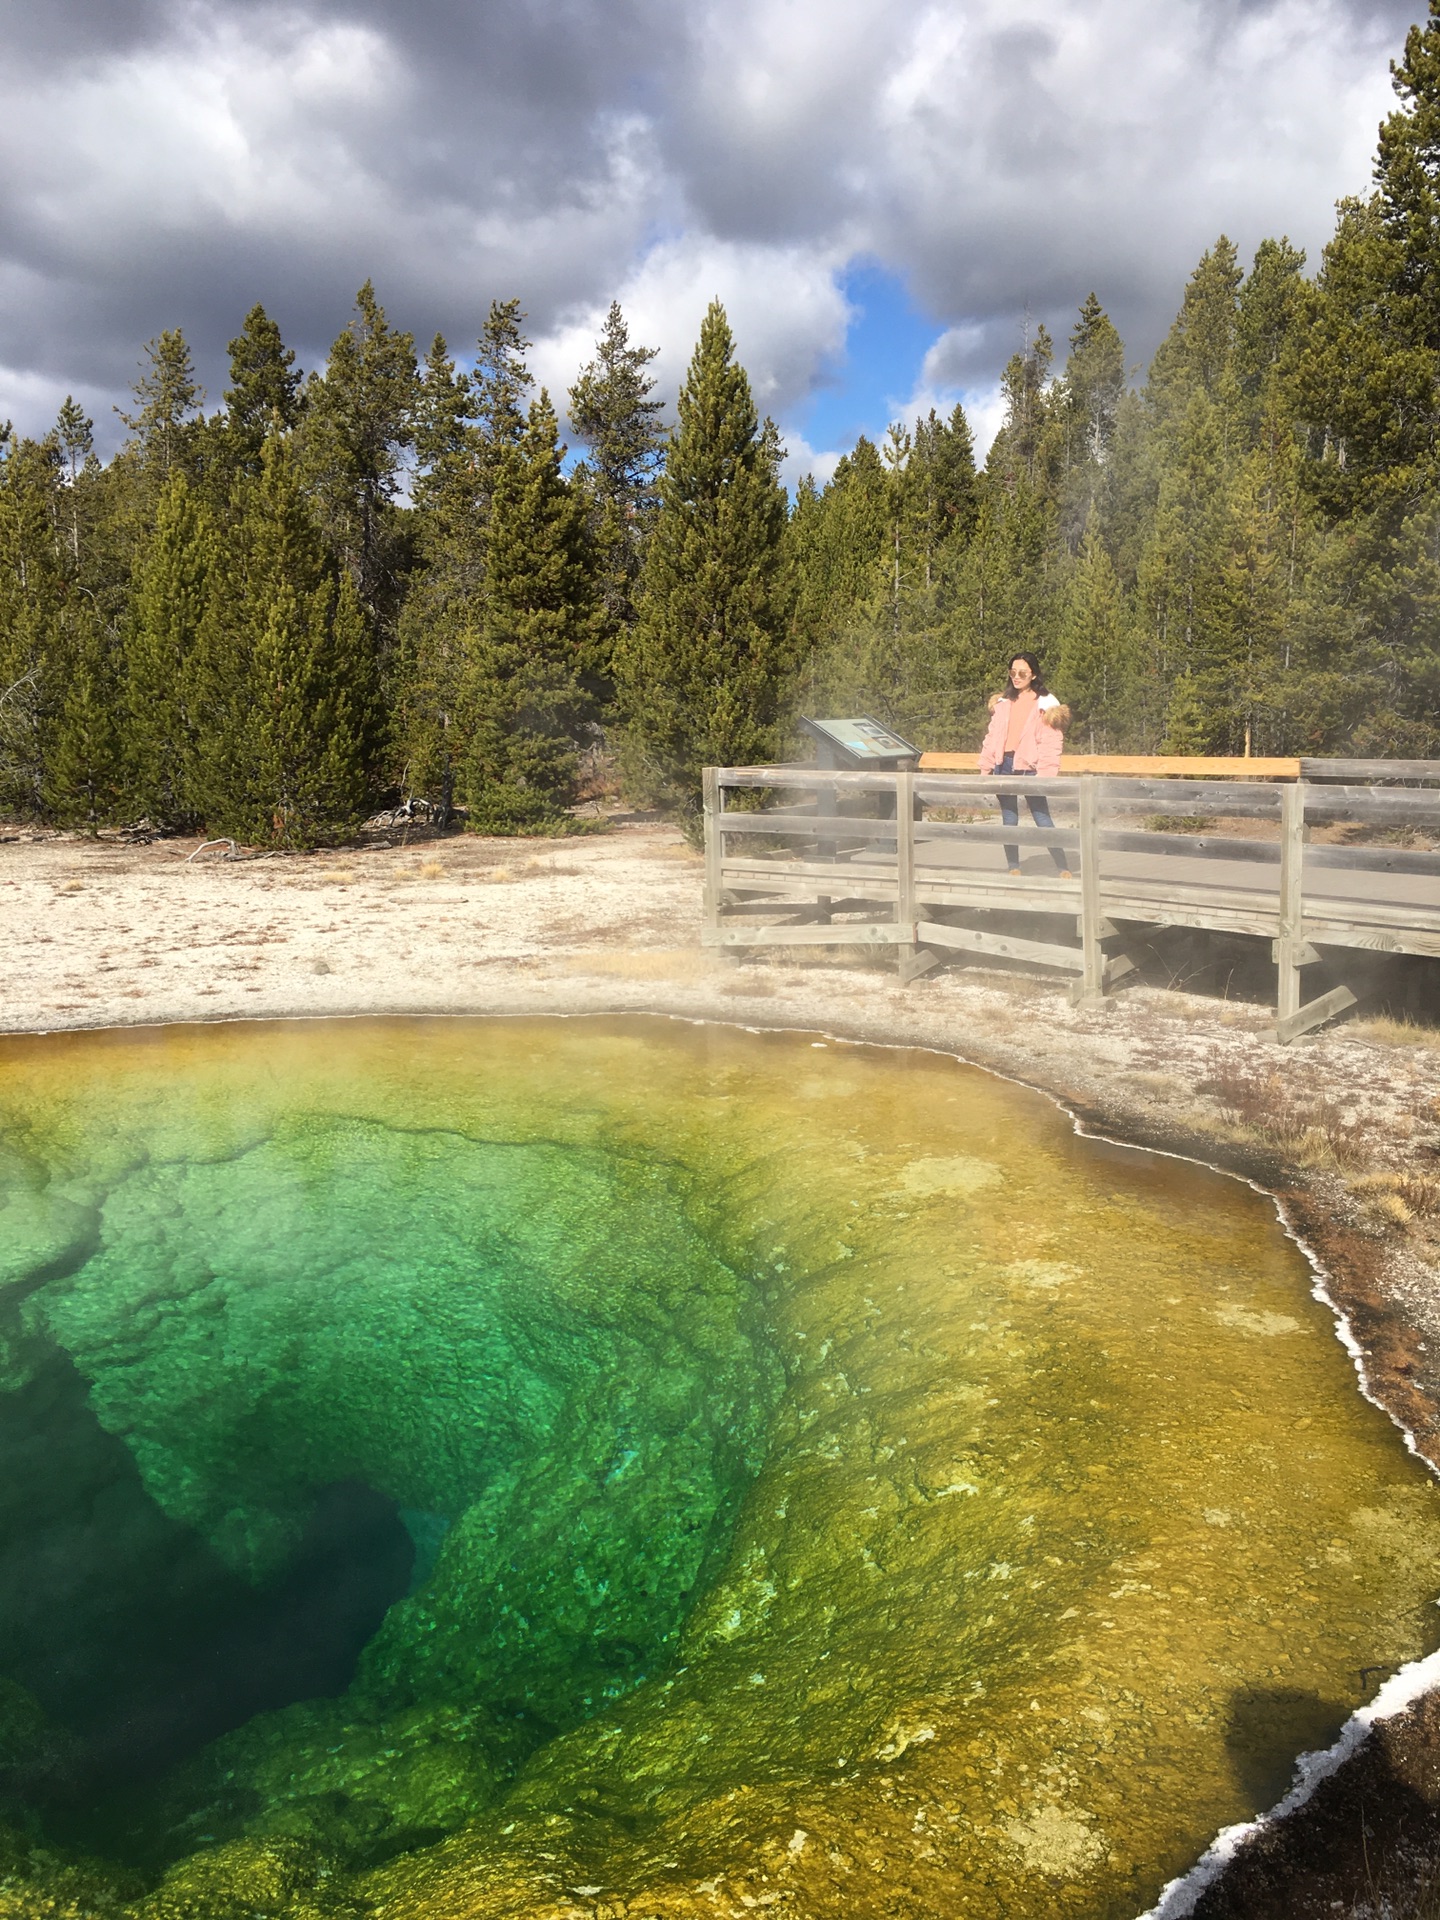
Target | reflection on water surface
(523,1467)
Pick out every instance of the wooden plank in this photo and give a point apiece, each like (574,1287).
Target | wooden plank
(1417,940)
(1302,956)
(1374,860)
(1192,796)
(915,961)
(1092,977)
(858,934)
(905,868)
(810,826)
(1143,765)
(814,827)
(998,892)
(807,778)
(744,870)
(1193,846)
(1393,806)
(1204,918)
(818,779)
(1292,1025)
(954,790)
(1292,921)
(997,834)
(713,803)
(1369,915)
(1363,773)
(1002,946)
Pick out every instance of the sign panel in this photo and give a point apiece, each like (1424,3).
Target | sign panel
(862,742)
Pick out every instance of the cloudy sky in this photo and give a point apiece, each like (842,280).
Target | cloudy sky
(879,190)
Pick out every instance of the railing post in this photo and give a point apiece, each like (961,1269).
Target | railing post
(912,961)
(1291,929)
(714,853)
(1092,972)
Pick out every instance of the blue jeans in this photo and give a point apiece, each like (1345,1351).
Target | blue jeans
(1039,813)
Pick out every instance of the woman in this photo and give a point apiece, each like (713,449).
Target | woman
(1026,734)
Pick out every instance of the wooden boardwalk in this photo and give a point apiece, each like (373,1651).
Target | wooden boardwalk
(916,861)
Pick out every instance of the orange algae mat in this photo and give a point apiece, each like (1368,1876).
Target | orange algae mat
(851,1492)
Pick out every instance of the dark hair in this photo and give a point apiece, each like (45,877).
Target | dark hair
(1037,679)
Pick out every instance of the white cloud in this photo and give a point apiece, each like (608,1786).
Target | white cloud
(801,459)
(35,397)
(784,304)
(173,163)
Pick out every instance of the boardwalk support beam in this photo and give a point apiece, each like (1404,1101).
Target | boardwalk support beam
(1089,990)
(1292,950)
(1314,1014)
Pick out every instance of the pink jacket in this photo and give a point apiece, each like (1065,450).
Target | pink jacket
(1040,743)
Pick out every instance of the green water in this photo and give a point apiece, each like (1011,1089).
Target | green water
(464,1468)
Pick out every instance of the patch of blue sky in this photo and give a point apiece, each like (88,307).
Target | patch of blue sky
(885,373)
(885,348)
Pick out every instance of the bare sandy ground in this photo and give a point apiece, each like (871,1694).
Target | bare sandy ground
(1344,1127)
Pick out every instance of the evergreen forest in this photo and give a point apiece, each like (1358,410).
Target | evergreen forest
(386,581)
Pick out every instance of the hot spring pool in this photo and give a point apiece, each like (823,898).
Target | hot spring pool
(463,1468)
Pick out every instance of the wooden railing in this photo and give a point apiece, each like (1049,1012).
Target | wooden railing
(866,859)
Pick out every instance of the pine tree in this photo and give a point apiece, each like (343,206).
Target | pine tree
(835,563)
(1270,315)
(703,679)
(1189,601)
(283,674)
(75,432)
(1185,604)
(75,436)
(84,761)
(443,604)
(1407,173)
(359,423)
(520,699)
(1000,596)
(168,397)
(944,491)
(33,592)
(618,422)
(1025,451)
(1199,351)
(446,490)
(265,394)
(499,384)
(1088,406)
(171,588)
(1188,722)
(1094,671)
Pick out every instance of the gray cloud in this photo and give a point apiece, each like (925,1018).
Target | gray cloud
(169,162)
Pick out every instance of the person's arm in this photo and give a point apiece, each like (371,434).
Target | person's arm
(993,745)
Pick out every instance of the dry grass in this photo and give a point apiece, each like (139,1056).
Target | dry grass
(337,877)
(1382,1031)
(1401,1197)
(1313,1131)
(527,870)
(1164,1086)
